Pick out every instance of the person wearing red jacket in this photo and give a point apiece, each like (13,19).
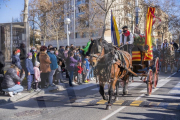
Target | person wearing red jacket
(79,77)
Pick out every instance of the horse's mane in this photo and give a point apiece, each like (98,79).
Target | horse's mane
(107,46)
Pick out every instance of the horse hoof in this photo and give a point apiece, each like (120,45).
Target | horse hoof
(108,107)
(125,93)
(105,98)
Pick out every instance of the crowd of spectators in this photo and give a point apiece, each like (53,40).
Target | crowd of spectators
(44,67)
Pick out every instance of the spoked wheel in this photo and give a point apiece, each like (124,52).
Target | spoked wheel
(156,74)
(149,82)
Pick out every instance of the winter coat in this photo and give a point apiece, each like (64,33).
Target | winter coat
(87,47)
(53,60)
(45,62)
(34,58)
(2,63)
(65,54)
(60,54)
(37,74)
(29,66)
(71,64)
(38,56)
(16,61)
(59,72)
(11,78)
(87,63)
(80,69)
(22,54)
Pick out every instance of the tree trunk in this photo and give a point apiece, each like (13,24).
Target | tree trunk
(104,27)
(57,38)
(25,10)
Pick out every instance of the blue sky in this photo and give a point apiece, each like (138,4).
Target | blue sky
(13,10)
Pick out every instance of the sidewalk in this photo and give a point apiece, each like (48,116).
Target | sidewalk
(5,99)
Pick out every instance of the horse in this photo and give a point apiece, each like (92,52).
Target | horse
(102,55)
(167,56)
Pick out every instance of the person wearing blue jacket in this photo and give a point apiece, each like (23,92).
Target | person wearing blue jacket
(15,58)
(53,66)
(87,67)
(30,70)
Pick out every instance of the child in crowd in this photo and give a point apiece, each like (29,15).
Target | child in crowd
(16,61)
(37,74)
(59,74)
(30,70)
(84,72)
(87,67)
(79,76)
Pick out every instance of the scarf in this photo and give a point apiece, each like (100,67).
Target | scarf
(127,33)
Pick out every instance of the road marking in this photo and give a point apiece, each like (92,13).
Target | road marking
(130,86)
(136,103)
(172,106)
(79,87)
(101,102)
(159,85)
(175,90)
(119,102)
(164,97)
(121,108)
(87,100)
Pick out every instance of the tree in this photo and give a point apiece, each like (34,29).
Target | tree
(55,20)
(26,10)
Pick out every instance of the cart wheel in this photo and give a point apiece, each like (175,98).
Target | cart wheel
(149,82)
(156,72)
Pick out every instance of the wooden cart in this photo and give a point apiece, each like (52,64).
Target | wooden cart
(147,70)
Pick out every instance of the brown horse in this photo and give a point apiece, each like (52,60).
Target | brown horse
(102,57)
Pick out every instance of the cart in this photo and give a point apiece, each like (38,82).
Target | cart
(148,71)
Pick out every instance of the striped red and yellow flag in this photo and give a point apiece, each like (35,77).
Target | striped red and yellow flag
(136,56)
(149,24)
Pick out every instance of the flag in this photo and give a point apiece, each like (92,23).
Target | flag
(149,24)
(114,31)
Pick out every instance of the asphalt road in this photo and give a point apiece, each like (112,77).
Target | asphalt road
(85,103)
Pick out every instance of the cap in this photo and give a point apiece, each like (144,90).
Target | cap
(29,54)
(18,51)
(37,63)
(125,27)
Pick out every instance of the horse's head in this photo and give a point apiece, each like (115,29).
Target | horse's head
(96,50)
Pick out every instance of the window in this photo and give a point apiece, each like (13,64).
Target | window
(84,35)
(77,35)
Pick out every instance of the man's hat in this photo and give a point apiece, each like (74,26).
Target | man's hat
(125,27)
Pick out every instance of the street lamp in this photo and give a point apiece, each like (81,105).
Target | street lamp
(67,22)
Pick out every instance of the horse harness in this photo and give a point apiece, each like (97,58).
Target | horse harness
(120,57)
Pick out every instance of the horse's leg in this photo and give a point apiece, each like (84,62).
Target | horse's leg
(101,89)
(113,84)
(126,79)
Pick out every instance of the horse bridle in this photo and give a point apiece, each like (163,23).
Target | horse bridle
(95,55)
